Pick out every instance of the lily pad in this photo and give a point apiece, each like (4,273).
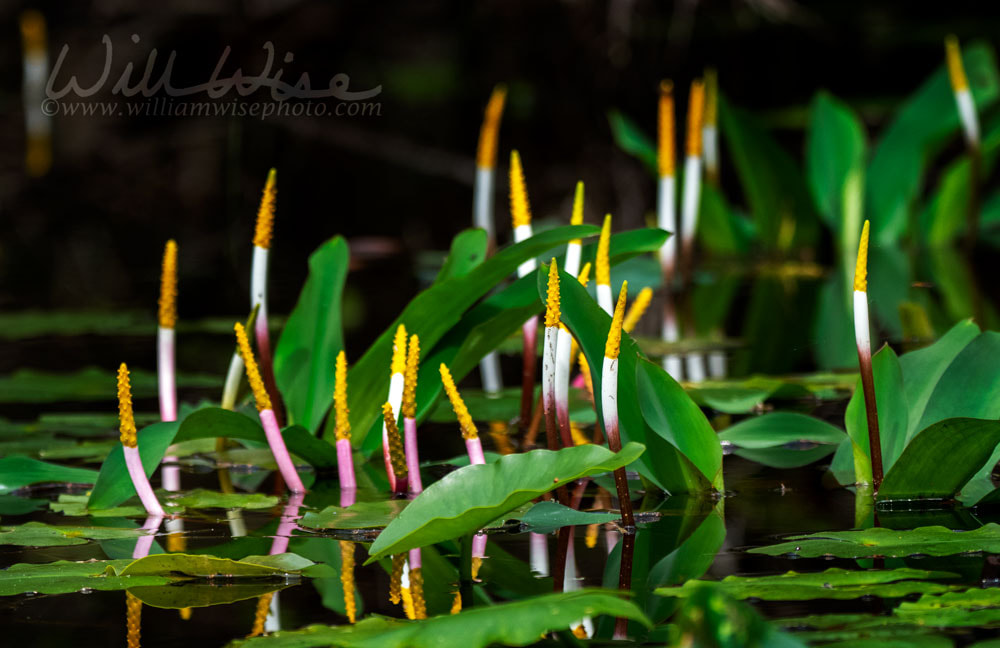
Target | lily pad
(39,534)
(833,583)
(471,497)
(546,517)
(63,576)
(362,515)
(520,623)
(192,594)
(890,543)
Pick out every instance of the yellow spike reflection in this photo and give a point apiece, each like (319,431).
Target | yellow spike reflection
(347,579)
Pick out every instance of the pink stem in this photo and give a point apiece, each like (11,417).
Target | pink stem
(479,545)
(412,459)
(475,450)
(345,465)
(579,382)
(141,483)
(347,497)
(287,525)
(280,452)
(414,558)
(145,541)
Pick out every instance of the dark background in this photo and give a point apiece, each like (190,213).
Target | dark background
(90,233)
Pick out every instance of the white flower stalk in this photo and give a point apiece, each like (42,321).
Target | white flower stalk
(342,431)
(692,172)
(287,524)
(258,287)
(409,412)
(963,96)
(539,554)
(575,247)
(671,334)
(609,402)
(231,388)
(37,125)
(482,213)
(602,267)
(486,162)
(473,446)
(396,453)
(862,335)
(130,446)
(267,418)
(397,381)
(520,213)
(165,354)
(694,362)
(718,364)
(709,129)
(666,195)
(554,381)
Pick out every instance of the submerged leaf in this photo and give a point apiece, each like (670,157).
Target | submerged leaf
(361,515)
(466,500)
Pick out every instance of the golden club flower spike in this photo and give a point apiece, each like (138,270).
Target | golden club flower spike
(575,247)
(396,453)
(267,418)
(130,447)
(666,189)
(862,335)
(486,152)
(637,309)
(602,265)
(265,213)
(397,383)
(709,128)
(555,376)
(409,414)
(665,154)
(520,212)
(345,460)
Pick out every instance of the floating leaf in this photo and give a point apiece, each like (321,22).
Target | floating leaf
(17,472)
(361,515)
(39,534)
(546,517)
(471,497)
(833,583)
(200,498)
(879,541)
(211,567)
(779,428)
(62,577)
(304,357)
(519,623)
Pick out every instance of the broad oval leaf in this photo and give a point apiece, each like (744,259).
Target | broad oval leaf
(520,623)
(304,357)
(469,498)
(835,148)
(779,428)
(674,416)
(663,464)
(941,459)
(63,577)
(891,543)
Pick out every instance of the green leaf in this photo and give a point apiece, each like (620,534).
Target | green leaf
(921,127)
(772,182)
(17,472)
(710,617)
(779,428)
(277,566)
(361,515)
(833,583)
(192,594)
(970,386)
(39,534)
(663,464)
(879,541)
(675,417)
(973,607)
(304,359)
(200,498)
(924,368)
(965,443)
(468,251)
(113,485)
(471,497)
(430,315)
(546,517)
(631,139)
(892,415)
(835,149)
(785,457)
(519,623)
(63,577)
